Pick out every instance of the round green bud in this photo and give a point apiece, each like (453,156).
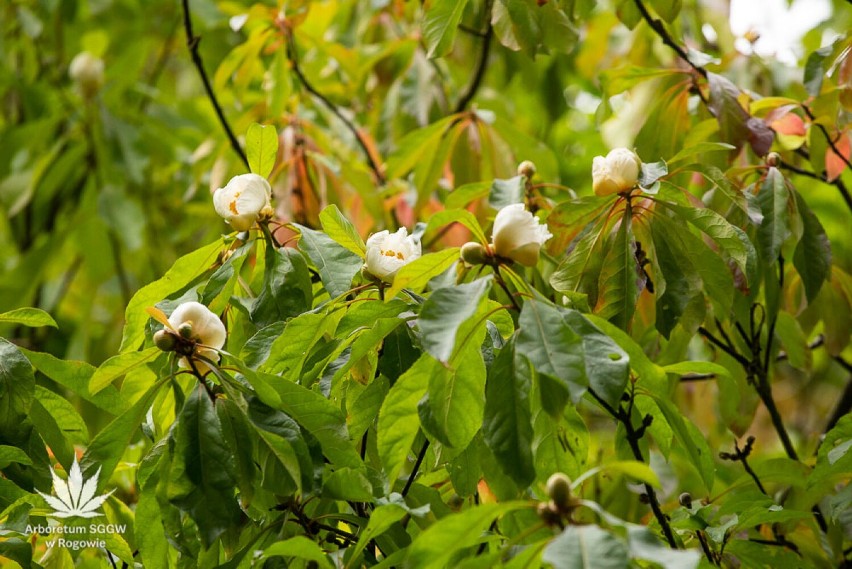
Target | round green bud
(685,500)
(474,253)
(559,490)
(165,340)
(185,330)
(526,169)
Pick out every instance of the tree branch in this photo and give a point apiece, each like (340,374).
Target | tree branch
(297,70)
(192,42)
(414,470)
(661,31)
(481,66)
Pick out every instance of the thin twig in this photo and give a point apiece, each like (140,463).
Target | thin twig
(633,436)
(192,42)
(718,343)
(481,66)
(297,70)
(661,31)
(414,470)
(741,455)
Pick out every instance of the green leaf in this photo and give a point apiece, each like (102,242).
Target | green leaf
(201,476)
(59,424)
(580,270)
(184,271)
(560,444)
(607,364)
(618,288)
(552,346)
(75,376)
(455,395)
(812,257)
(10,454)
(106,449)
(507,192)
(417,274)
(32,317)
(507,425)
(261,148)
(691,439)
(775,203)
(341,230)
(648,372)
(464,195)
(683,368)
(439,28)
(398,424)
(448,216)
(287,465)
(700,148)
(17,387)
(299,547)
(789,332)
(651,172)
(814,71)
(730,238)
(381,520)
(436,546)
(586,547)
(632,468)
(645,545)
(445,311)
(413,146)
(289,351)
(322,418)
(336,264)
(119,366)
(667,9)
(515,25)
(286,291)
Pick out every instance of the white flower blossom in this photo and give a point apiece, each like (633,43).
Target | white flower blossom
(202,327)
(518,235)
(616,173)
(87,71)
(242,200)
(387,253)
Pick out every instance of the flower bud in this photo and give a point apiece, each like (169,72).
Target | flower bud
(473,253)
(616,173)
(773,159)
(243,199)
(165,340)
(518,235)
(559,490)
(526,169)
(87,71)
(185,330)
(685,500)
(388,252)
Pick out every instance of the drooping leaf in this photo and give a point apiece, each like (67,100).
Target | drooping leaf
(439,27)
(776,203)
(444,313)
(507,426)
(261,148)
(341,230)
(178,276)
(32,317)
(586,547)
(17,387)
(691,439)
(286,288)
(417,274)
(618,284)
(507,192)
(336,264)
(812,257)
(119,366)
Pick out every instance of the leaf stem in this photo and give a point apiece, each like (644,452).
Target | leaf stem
(192,42)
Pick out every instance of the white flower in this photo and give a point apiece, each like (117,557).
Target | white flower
(242,200)
(616,173)
(88,72)
(76,497)
(518,235)
(202,327)
(387,252)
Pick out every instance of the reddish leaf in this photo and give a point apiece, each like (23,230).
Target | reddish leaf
(790,124)
(834,163)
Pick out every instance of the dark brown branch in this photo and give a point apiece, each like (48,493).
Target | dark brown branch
(660,30)
(417,464)
(741,455)
(297,70)
(843,406)
(633,436)
(481,66)
(718,343)
(192,42)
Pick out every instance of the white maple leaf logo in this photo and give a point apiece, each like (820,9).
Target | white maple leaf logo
(76,497)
